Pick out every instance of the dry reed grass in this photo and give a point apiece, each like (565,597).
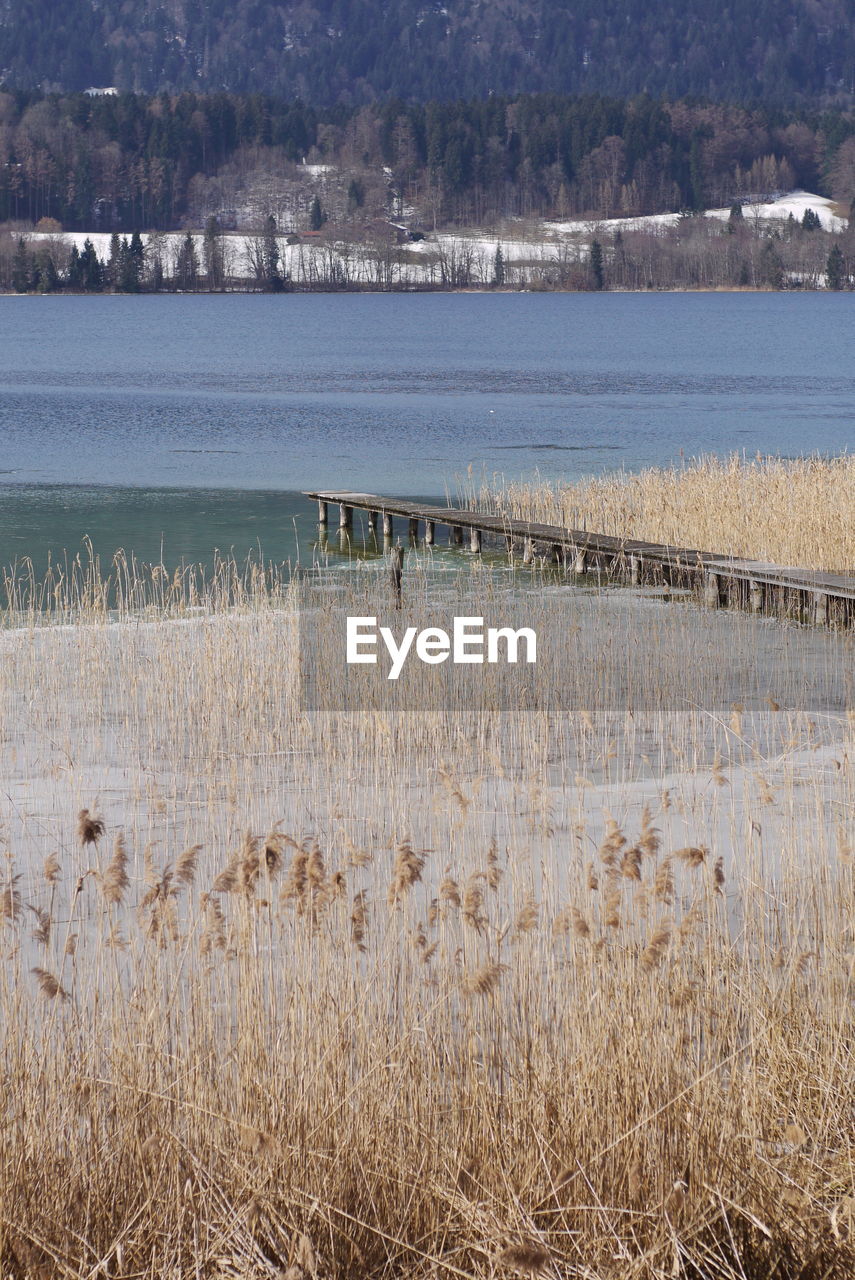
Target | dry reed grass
(477,995)
(798,512)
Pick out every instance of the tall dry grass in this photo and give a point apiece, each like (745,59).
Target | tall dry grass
(798,512)
(316,994)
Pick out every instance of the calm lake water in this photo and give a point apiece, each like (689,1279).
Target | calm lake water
(173,425)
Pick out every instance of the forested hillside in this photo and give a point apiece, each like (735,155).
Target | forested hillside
(115,163)
(354,51)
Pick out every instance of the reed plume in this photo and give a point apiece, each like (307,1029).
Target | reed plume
(49,985)
(89,828)
(115,881)
(406,871)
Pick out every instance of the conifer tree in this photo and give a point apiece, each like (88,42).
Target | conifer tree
(597,264)
(317,217)
(499,267)
(74,275)
(187,264)
(213,255)
(21,267)
(91,270)
(270,251)
(114,262)
(835,269)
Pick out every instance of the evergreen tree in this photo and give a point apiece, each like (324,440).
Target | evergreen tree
(771,266)
(187,264)
(835,269)
(270,250)
(597,264)
(355,195)
(137,253)
(21,267)
(92,272)
(74,275)
(317,217)
(810,220)
(130,268)
(737,218)
(213,254)
(114,262)
(499,267)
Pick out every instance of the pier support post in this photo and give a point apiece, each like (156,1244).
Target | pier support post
(396,570)
(581,561)
(372,523)
(475,540)
(429,532)
(456,535)
(755,595)
(528,551)
(712,591)
(414,528)
(387,525)
(322,511)
(820,608)
(556,553)
(635,570)
(345,516)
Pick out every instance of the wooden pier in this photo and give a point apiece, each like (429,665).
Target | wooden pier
(806,594)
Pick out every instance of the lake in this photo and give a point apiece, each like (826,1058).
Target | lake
(173,425)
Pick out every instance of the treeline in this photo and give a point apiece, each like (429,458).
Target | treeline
(697,252)
(115,163)
(358,51)
(53,265)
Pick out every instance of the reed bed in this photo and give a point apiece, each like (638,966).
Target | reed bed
(796,512)
(309,992)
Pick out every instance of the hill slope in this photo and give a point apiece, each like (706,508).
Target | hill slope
(350,51)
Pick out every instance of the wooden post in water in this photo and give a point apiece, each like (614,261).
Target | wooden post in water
(712,591)
(557,557)
(345,516)
(414,528)
(755,595)
(322,511)
(820,608)
(372,523)
(387,525)
(635,570)
(580,564)
(396,570)
(456,535)
(475,540)
(528,551)
(429,532)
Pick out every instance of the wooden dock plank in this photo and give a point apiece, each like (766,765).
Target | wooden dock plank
(836,585)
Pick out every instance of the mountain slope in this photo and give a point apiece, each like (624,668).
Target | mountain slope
(350,51)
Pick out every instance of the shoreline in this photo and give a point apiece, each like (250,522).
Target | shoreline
(409,289)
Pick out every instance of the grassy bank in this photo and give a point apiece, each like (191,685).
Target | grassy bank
(407,994)
(787,511)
